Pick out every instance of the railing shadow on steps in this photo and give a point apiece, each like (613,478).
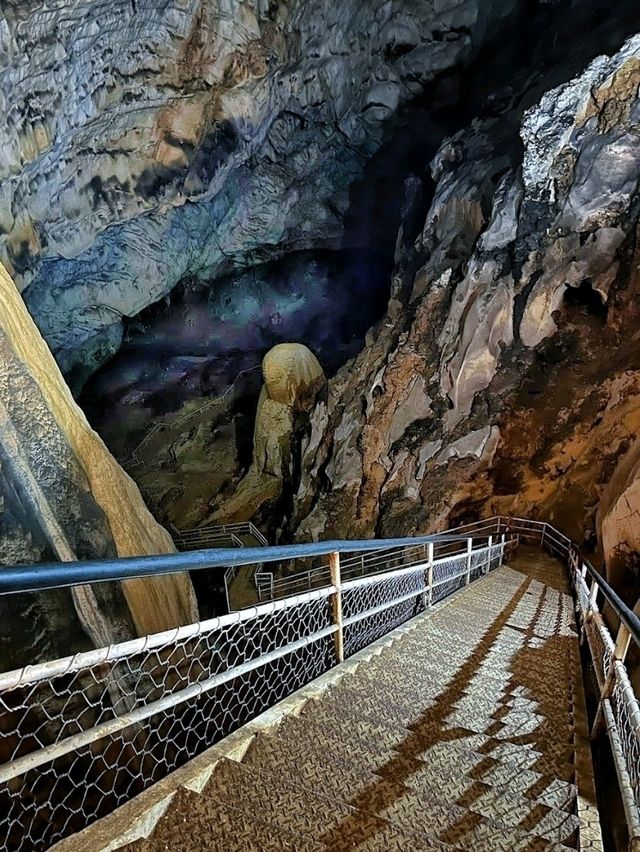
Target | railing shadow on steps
(83,734)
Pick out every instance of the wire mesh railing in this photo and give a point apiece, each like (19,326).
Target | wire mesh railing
(82,735)
(618,709)
(270,586)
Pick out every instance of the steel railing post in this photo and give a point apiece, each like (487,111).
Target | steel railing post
(469,549)
(430,574)
(619,653)
(226,591)
(336,604)
(544,529)
(592,602)
(489,555)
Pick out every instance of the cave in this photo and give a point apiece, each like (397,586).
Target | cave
(586,298)
(198,339)
(289,275)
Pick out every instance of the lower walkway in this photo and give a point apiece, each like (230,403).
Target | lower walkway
(467,733)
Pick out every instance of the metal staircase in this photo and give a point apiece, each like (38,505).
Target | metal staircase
(468,732)
(451,713)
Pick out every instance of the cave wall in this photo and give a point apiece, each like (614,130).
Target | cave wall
(64,497)
(151,144)
(146,142)
(506,374)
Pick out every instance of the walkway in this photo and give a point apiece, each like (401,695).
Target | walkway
(468,732)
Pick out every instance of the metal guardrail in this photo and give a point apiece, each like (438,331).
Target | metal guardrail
(134,459)
(618,709)
(270,586)
(57,575)
(221,536)
(83,734)
(213,535)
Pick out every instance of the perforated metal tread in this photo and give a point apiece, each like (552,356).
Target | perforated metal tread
(460,735)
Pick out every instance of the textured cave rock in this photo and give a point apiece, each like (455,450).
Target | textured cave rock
(293,380)
(619,523)
(64,498)
(506,374)
(146,142)
(219,146)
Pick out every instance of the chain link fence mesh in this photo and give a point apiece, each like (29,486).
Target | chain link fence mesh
(82,735)
(616,691)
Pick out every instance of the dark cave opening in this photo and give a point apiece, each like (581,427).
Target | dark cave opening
(586,299)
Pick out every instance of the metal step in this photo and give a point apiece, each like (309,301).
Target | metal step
(458,736)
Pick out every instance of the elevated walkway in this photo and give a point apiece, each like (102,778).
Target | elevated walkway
(464,729)
(240,585)
(424,695)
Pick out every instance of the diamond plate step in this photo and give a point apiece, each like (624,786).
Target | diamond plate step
(458,736)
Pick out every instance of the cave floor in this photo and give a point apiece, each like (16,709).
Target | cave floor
(467,732)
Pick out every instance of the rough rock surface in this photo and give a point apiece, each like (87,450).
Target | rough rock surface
(144,142)
(293,379)
(65,497)
(148,144)
(506,374)
(619,517)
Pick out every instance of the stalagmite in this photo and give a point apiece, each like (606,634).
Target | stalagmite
(292,379)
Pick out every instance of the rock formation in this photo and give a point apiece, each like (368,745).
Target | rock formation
(145,143)
(65,497)
(505,376)
(293,378)
(619,522)
(155,150)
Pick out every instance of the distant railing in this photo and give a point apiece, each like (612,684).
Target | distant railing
(273,587)
(221,535)
(134,459)
(217,535)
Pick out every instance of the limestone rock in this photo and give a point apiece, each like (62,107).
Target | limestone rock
(292,375)
(148,142)
(65,496)
(619,516)
(293,379)
(516,313)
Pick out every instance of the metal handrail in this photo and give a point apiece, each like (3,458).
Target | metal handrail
(26,578)
(56,575)
(268,585)
(618,708)
(626,615)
